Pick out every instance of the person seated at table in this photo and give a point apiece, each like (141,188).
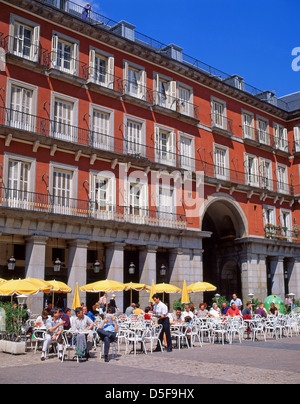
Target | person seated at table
(224,309)
(192,309)
(273,311)
(247,313)
(66,318)
(137,309)
(107,331)
(176,318)
(147,316)
(203,312)
(187,312)
(233,311)
(129,310)
(54,326)
(40,322)
(83,323)
(261,310)
(214,311)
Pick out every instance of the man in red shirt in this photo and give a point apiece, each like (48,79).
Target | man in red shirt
(233,311)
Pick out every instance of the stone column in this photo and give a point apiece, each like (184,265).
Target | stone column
(147,265)
(253,276)
(77,268)
(115,268)
(294,277)
(277,276)
(35,260)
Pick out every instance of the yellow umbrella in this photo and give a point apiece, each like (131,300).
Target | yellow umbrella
(2,280)
(135,286)
(103,286)
(76,301)
(185,296)
(166,288)
(201,287)
(40,283)
(57,287)
(18,287)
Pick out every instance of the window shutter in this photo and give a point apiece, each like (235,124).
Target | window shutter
(75,61)
(111,72)
(172,147)
(54,51)
(92,65)
(35,44)
(156,143)
(297,138)
(173,93)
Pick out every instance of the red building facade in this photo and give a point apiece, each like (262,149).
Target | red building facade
(116,149)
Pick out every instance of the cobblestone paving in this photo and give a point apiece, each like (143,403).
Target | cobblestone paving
(271,362)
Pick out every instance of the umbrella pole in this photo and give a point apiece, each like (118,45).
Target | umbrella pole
(130,296)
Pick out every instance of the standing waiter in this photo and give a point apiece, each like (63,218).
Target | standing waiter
(161,310)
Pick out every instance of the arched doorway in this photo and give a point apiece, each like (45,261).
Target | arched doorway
(223,217)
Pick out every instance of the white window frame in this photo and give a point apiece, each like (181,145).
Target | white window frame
(272,209)
(166,213)
(219,120)
(266,178)
(74,56)
(297,138)
(281,142)
(20,119)
(248,127)
(282,184)
(185,107)
(218,170)
(20,201)
(263,136)
(252,179)
(140,89)
(109,78)
(169,155)
(110,205)
(72,133)
(71,208)
(167,100)
(130,147)
(187,162)
(102,141)
(143,210)
(34,46)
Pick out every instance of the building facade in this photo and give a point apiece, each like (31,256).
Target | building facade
(117,149)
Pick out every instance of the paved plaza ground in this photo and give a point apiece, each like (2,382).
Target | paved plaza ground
(270,362)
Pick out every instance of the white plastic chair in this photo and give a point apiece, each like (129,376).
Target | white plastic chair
(136,336)
(68,345)
(39,336)
(152,335)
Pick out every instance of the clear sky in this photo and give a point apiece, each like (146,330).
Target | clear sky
(253,39)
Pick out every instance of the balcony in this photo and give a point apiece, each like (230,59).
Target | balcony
(63,67)
(23,52)
(176,107)
(221,125)
(64,206)
(104,83)
(282,233)
(137,93)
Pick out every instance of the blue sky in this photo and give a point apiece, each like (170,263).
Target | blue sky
(254,38)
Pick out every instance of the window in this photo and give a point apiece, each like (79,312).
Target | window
(24,38)
(165,146)
(102,68)
(248,126)
(282,179)
(64,117)
(165,91)
(265,171)
(135,81)
(137,204)
(102,191)
(184,105)
(269,215)
(221,162)
(297,138)
(18,183)
(187,154)
(64,55)
(252,171)
(280,137)
(166,202)
(21,106)
(218,111)
(101,130)
(262,130)
(133,142)
(62,191)
(286,219)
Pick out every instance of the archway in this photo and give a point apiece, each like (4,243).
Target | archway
(224,218)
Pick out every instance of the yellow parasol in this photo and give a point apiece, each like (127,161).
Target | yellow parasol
(166,288)
(18,287)
(201,287)
(57,287)
(135,286)
(2,281)
(76,301)
(40,283)
(103,286)
(185,296)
